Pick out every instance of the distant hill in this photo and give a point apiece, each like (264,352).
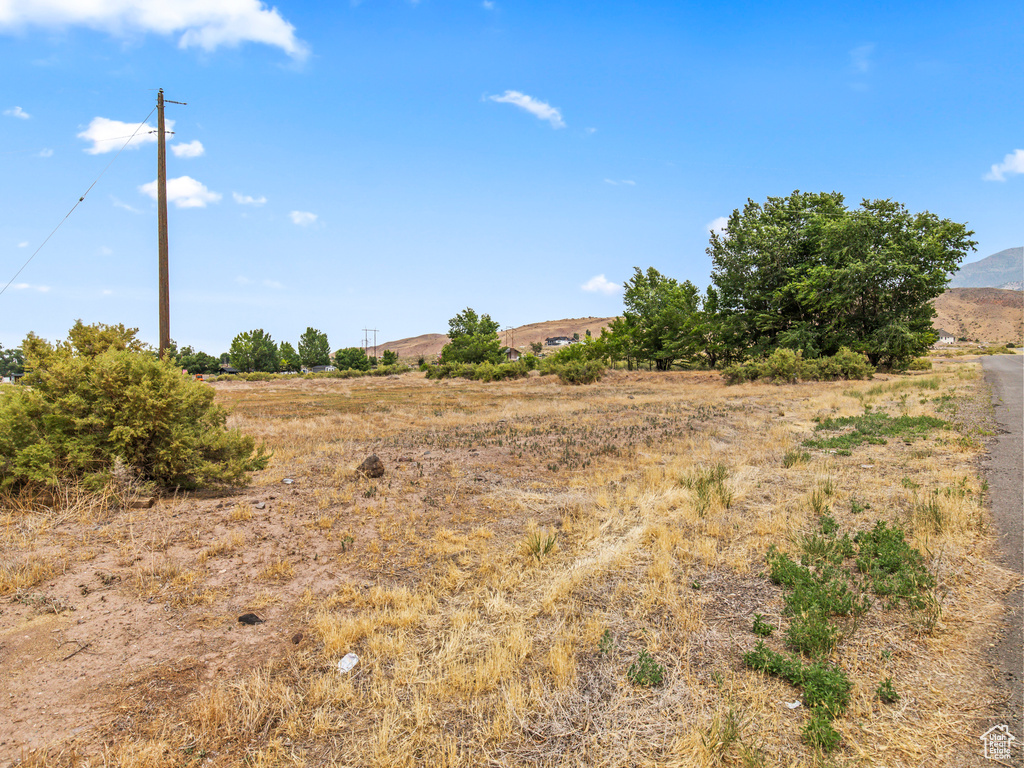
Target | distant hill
(1000,270)
(430,344)
(986,314)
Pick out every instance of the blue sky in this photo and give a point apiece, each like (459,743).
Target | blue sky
(386,163)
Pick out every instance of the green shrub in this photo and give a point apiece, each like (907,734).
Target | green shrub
(83,414)
(580,372)
(789,366)
(919,364)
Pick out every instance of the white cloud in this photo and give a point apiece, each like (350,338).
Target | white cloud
(1012,164)
(23,244)
(184,192)
(860,58)
(206,24)
(106,250)
(17,112)
(45,152)
(627,182)
(540,109)
(717,225)
(123,205)
(590,130)
(110,135)
(303,218)
(273,284)
(248,199)
(107,292)
(488,4)
(192,149)
(599,284)
(28,286)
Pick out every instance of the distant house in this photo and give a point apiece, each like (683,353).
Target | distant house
(512,354)
(557,341)
(945,337)
(320,369)
(226,368)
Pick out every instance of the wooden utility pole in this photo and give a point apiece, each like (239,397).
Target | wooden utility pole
(161,204)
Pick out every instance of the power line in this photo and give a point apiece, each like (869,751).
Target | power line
(95,181)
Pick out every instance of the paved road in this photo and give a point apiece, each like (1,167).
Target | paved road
(1004,468)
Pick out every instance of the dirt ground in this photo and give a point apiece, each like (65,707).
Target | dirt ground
(123,618)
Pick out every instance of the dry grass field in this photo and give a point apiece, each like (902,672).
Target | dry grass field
(527,541)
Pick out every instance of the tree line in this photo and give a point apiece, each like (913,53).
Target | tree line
(803,273)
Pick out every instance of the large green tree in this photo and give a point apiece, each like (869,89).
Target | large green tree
(655,327)
(472,339)
(313,348)
(288,358)
(254,351)
(806,272)
(197,362)
(352,359)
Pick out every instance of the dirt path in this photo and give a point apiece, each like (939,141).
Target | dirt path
(1004,468)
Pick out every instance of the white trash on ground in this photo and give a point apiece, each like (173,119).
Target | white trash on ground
(792,704)
(348,661)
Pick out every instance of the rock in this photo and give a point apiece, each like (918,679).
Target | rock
(261,505)
(142,503)
(296,638)
(250,618)
(372,467)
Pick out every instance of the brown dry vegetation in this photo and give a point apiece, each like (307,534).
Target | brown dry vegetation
(476,646)
(986,314)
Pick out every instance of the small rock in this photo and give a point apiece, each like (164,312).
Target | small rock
(372,467)
(287,481)
(261,505)
(142,503)
(296,638)
(250,618)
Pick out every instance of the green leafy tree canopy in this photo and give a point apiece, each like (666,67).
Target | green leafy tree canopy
(288,358)
(805,272)
(313,348)
(472,339)
(352,359)
(254,351)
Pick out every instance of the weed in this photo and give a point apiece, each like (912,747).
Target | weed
(645,670)
(761,627)
(886,692)
(724,731)
(818,731)
(540,542)
(928,514)
(607,643)
(872,428)
(824,685)
(793,458)
(707,484)
(893,568)
(817,503)
(347,541)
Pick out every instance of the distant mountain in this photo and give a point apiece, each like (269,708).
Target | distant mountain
(1000,270)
